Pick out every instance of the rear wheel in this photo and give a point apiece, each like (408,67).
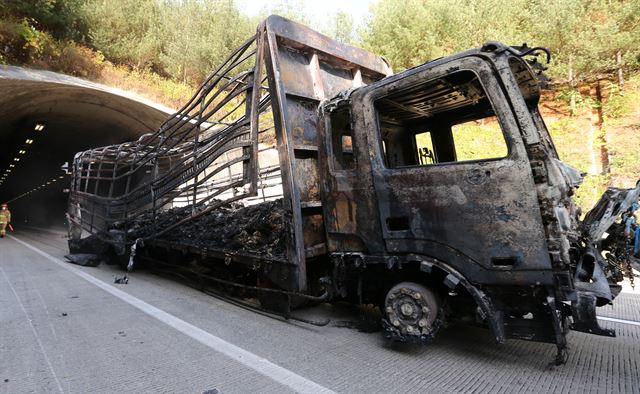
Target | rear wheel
(412,313)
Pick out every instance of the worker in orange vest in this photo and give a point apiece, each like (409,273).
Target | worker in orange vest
(5,219)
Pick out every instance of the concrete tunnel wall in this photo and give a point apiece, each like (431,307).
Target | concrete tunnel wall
(77,115)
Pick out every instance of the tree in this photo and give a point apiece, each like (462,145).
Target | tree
(290,9)
(401,32)
(559,26)
(342,27)
(63,19)
(623,43)
(411,32)
(199,36)
(127,31)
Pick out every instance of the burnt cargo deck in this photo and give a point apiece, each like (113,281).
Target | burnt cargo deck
(250,234)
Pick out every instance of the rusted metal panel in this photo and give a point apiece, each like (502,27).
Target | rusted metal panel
(461,213)
(301,37)
(306,67)
(307,181)
(303,122)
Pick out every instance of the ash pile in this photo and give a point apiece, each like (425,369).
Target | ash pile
(259,229)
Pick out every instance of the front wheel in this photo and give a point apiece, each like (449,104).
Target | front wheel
(412,313)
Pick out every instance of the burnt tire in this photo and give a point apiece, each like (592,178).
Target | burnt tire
(412,313)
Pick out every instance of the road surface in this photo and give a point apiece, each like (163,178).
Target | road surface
(69,329)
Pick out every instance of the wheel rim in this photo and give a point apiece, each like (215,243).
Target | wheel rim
(411,309)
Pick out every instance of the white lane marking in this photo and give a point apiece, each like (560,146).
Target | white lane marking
(613,319)
(244,357)
(33,329)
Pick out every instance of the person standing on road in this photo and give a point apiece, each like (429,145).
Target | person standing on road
(5,219)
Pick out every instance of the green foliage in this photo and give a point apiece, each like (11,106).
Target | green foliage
(624,133)
(34,40)
(408,33)
(25,44)
(199,36)
(187,39)
(617,103)
(62,19)
(573,148)
(476,140)
(412,32)
(570,142)
(290,9)
(479,140)
(590,190)
(567,94)
(342,28)
(146,83)
(583,35)
(126,31)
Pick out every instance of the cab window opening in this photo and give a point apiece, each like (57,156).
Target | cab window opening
(446,120)
(342,139)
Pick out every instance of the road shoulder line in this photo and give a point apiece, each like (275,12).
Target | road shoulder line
(244,357)
(622,321)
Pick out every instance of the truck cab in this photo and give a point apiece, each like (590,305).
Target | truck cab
(445,176)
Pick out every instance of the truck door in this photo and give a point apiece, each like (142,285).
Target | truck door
(451,173)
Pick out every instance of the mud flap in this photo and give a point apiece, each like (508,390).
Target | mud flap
(591,279)
(584,316)
(86,259)
(488,312)
(592,289)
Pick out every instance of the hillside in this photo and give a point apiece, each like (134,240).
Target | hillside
(25,46)
(622,131)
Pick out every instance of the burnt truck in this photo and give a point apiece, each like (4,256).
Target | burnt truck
(305,169)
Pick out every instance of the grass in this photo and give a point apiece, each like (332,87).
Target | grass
(479,140)
(475,140)
(623,133)
(147,84)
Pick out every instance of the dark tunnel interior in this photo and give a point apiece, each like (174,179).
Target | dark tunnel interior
(42,126)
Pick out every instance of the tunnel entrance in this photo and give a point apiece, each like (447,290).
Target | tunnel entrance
(45,118)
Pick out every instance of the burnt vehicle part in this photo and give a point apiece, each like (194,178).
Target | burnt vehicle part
(504,224)
(384,203)
(608,227)
(220,148)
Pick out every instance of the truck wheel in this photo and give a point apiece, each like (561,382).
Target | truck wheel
(412,313)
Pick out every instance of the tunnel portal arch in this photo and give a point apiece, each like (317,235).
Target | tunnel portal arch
(45,118)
